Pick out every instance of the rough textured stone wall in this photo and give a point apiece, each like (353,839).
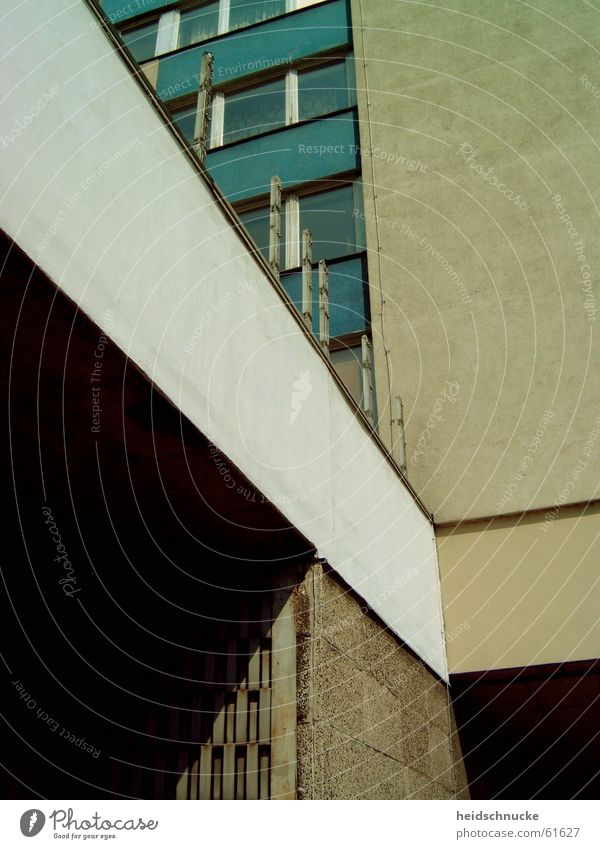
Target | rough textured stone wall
(373,721)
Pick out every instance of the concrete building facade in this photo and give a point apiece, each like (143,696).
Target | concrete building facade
(479,149)
(443,160)
(192,495)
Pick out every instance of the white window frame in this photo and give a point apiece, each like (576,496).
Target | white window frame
(224,7)
(291,97)
(292,232)
(167,38)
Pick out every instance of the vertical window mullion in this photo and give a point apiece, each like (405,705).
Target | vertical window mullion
(291,97)
(292,232)
(217,120)
(223,16)
(168,33)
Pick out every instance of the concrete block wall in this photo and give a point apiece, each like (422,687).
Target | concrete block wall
(373,721)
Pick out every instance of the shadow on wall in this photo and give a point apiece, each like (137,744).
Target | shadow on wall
(531,733)
(139,588)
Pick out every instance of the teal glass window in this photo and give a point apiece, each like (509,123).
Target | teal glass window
(141,41)
(323,90)
(199,23)
(333,218)
(254,110)
(242,13)
(256,222)
(348,295)
(185,119)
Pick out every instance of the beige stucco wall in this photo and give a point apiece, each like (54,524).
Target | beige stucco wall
(150,69)
(521,591)
(510,331)
(373,721)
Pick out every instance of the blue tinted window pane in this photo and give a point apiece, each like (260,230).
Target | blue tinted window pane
(141,41)
(323,90)
(186,121)
(199,23)
(242,13)
(254,110)
(348,296)
(257,223)
(333,220)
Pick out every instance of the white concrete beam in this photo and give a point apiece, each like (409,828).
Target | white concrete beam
(97,190)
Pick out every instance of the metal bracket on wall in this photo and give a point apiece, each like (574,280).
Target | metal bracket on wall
(398,435)
(307,278)
(324,306)
(203,106)
(275,227)
(367,382)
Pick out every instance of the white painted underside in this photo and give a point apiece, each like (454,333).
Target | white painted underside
(98,192)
